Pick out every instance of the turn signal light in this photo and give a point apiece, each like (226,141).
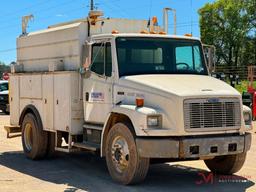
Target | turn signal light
(154,20)
(139,102)
(115,32)
(188,35)
(162,33)
(144,32)
(153,32)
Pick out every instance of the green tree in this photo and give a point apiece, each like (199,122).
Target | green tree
(229,25)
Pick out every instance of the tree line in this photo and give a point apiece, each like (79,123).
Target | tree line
(230,25)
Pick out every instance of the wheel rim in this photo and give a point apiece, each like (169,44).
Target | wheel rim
(28,139)
(120,154)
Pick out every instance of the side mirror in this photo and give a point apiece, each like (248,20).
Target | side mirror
(86,60)
(87,73)
(209,53)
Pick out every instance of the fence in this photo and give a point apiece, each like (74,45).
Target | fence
(241,71)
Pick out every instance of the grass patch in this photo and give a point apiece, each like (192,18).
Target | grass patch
(243,86)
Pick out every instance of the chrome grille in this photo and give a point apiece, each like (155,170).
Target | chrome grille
(212,113)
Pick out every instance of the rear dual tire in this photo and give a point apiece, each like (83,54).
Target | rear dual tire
(34,139)
(36,142)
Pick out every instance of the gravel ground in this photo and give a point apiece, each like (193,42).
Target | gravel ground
(87,172)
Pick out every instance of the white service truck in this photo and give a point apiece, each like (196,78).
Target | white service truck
(128,91)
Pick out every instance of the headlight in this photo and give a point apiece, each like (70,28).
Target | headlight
(154,121)
(247,114)
(247,117)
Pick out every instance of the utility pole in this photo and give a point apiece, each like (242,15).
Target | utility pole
(92,5)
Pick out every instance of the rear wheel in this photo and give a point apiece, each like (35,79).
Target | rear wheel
(34,139)
(228,164)
(124,164)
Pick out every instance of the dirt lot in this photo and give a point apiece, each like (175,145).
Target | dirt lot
(87,172)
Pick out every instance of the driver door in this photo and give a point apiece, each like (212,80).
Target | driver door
(98,87)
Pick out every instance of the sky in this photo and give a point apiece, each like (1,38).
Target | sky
(48,12)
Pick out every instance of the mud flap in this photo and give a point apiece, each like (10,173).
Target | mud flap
(12,131)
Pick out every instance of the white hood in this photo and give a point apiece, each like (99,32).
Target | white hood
(182,85)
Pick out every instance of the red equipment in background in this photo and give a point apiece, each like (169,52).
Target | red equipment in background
(5,76)
(250,88)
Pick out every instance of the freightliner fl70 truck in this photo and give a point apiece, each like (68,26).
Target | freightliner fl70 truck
(128,91)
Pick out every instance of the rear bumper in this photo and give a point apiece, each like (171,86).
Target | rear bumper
(193,147)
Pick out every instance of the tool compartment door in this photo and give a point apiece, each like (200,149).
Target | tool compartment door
(48,101)
(62,95)
(14,99)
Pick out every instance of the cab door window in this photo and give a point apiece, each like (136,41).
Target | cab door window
(98,59)
(102,59)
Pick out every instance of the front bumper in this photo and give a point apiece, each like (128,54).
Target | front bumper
(193,147)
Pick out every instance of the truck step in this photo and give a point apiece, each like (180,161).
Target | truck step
(10,129)
(66,149)
(87,145)
(93,126)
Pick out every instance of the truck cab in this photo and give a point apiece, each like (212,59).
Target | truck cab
(158,69)
(185,113)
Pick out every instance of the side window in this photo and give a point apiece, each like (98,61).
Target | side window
(98,59)
(197,57)
(108,67)
(102,59)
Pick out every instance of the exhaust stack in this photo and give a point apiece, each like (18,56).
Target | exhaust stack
(166,18)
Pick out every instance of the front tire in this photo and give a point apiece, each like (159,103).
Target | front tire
(123,162)
(34,139)
(227,165)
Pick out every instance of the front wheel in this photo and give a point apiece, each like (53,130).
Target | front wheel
(124,164)
(228,164)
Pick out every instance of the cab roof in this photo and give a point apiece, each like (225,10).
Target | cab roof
(100,36)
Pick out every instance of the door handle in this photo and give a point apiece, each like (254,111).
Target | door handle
(86,96)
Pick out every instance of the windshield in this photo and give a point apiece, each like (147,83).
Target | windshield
(3,87)
(159,56)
